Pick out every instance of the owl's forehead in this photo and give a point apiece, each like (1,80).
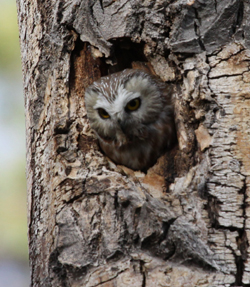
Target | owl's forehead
(115,100)
(110,86)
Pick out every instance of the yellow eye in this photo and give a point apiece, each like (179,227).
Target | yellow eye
(103,114)
(133,105)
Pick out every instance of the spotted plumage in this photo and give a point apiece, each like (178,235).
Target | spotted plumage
(132,116)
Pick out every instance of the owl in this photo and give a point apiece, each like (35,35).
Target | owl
(132,116)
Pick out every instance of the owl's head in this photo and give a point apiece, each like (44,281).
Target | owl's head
(121,106)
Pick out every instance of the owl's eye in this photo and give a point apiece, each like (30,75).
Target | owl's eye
(133,105)
(103,114)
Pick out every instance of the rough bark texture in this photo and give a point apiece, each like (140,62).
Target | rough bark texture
(187,221)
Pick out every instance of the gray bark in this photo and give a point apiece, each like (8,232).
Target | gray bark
(92,223)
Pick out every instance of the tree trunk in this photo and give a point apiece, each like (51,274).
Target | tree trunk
(186,221)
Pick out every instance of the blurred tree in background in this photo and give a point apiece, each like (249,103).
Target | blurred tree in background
(13,223)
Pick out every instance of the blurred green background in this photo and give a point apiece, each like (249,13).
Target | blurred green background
(13,219)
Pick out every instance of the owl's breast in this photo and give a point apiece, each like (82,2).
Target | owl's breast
(137,154)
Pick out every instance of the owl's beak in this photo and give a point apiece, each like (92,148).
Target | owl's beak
(122,125)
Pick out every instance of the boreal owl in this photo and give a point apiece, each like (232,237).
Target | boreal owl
(132,115)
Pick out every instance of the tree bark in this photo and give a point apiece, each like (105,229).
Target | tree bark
(186,221)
